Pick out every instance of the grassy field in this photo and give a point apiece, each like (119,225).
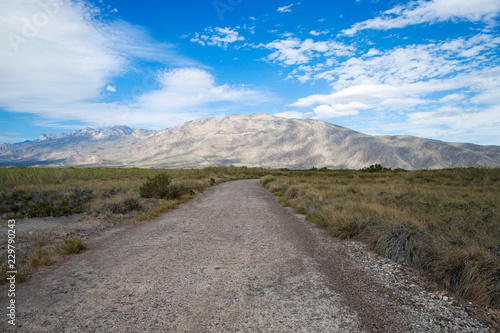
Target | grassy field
(104,196)
(445,223)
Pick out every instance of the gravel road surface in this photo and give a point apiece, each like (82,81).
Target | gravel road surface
(231,260)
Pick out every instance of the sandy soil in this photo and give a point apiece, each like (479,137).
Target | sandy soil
(231,260)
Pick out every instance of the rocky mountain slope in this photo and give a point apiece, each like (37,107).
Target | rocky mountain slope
(251,140)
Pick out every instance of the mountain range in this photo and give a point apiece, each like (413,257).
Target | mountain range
(257,140)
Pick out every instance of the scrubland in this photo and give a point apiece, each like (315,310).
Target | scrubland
(444,223)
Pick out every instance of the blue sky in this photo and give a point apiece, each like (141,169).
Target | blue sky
(424,68)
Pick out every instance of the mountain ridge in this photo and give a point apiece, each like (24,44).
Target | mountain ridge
(259,140)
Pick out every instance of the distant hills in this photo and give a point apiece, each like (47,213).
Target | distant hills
(251,140)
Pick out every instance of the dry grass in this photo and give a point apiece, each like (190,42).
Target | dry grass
(40,257)
(72,246)
(444,222)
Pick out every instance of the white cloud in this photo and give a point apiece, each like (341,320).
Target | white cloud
(432,11)
(292,51)
(372,52)
(461,108)
(111,88)
(452,98)
(70,57)
(221,37)
(57,65)
(293,114)
(374,94)
(446,90)
(184,88)
(451,124)
(318,33)
(285,9)
(338,110)
(413,63)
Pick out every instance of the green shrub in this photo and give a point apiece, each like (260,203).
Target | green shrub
(374,168)
(159,187)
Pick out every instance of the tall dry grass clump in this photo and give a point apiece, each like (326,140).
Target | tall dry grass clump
(72,246)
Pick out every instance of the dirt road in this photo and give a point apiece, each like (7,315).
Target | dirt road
(230,260)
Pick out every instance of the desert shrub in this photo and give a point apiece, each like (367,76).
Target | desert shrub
(72,245)
(277,188)
(337,224)
(108,193)
(292,192)
(346,228)
(301,206)
(119,205)
(130,204)
(20,203)
(82,195)
(403,244)
(40,257)
(319,218)
(159,187)
(374,168)
(266,180)
(472,273)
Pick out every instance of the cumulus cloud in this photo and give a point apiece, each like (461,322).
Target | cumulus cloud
(318,33)
(433,11)
(221,37)
(374,94)
(413,63)
(293,51)
(393,108)
(410,63)
(191,87)
(59,57)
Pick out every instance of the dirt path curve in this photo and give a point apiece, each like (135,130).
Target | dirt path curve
(230,260)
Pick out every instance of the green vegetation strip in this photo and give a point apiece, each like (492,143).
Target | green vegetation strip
(442,222)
